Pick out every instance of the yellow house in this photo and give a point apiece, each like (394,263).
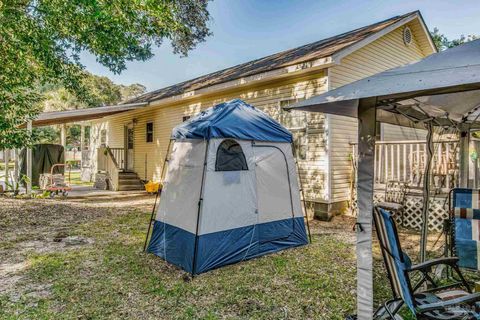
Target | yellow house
(134,137)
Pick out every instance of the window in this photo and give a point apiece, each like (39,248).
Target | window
(185,118)
(149,132)
(296,123)
(230,157)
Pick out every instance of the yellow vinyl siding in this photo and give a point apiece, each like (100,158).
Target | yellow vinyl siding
(266,97)
(387,52)
(325,172)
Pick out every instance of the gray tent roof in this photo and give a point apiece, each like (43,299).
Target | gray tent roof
(445,82)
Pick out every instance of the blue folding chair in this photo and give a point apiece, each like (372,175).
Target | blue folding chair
(453,301)
(465,232)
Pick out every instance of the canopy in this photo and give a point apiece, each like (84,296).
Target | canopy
(233,119)
(445,85)
(440,90)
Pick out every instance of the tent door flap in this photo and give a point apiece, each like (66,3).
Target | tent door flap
(274,196)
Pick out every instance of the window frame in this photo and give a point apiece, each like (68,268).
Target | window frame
(147,132)
(242,153)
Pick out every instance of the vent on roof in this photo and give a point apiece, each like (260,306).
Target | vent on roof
(407,36)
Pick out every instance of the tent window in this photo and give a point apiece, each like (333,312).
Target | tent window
(230,157)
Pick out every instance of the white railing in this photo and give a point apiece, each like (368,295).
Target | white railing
(405,161)
(106,162)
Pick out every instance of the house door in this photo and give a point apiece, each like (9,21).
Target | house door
(274,197)
(129,145)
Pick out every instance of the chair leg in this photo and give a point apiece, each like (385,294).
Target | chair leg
(385,306)
(464,282)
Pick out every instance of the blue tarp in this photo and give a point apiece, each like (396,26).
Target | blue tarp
(217,249)
(233,119)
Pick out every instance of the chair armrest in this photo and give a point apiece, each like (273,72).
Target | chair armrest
(474,297)
(451,261)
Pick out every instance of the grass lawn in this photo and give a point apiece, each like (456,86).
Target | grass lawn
(97,270)
(75,179)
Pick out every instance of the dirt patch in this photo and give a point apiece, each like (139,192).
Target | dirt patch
(41,226)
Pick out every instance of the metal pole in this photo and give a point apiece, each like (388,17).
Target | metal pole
(200,201)
(159,192)
(29,161)
(463,165)
(303,197)
(426,193)
(365,187)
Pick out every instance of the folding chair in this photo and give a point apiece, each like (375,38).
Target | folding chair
(438,302)
(395,196)
(465,232)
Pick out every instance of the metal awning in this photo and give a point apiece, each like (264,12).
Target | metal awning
(445,85)
(68,116)
(440,90)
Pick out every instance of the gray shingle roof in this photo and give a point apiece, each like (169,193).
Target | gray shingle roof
(316,50)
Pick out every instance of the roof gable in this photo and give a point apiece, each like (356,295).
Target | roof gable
(316,50)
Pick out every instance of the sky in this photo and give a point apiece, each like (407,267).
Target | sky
(244,30)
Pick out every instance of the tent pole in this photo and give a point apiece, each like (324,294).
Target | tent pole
(464,150)
(200,202)
(365,188)
(165,162)
(426,193)
(303,198)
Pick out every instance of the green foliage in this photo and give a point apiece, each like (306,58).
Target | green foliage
(100,90)
(46,135)
(42,40)
(442,42)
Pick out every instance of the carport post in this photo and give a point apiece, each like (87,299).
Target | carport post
(365,185)
(29,161)
(82,144)
(6,156)
(63,136)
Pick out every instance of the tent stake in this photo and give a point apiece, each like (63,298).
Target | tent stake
(200,201)
(165,162)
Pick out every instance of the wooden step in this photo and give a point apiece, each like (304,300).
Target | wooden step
(129,182)
(130,187)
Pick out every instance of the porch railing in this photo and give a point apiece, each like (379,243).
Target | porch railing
(405,161)
(107,162)
(117,156)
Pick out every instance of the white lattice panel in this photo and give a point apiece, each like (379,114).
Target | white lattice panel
(438,211)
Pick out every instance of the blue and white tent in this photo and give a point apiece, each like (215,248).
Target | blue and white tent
(231,190)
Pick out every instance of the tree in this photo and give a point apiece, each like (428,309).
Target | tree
(42,39)
(442,42)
